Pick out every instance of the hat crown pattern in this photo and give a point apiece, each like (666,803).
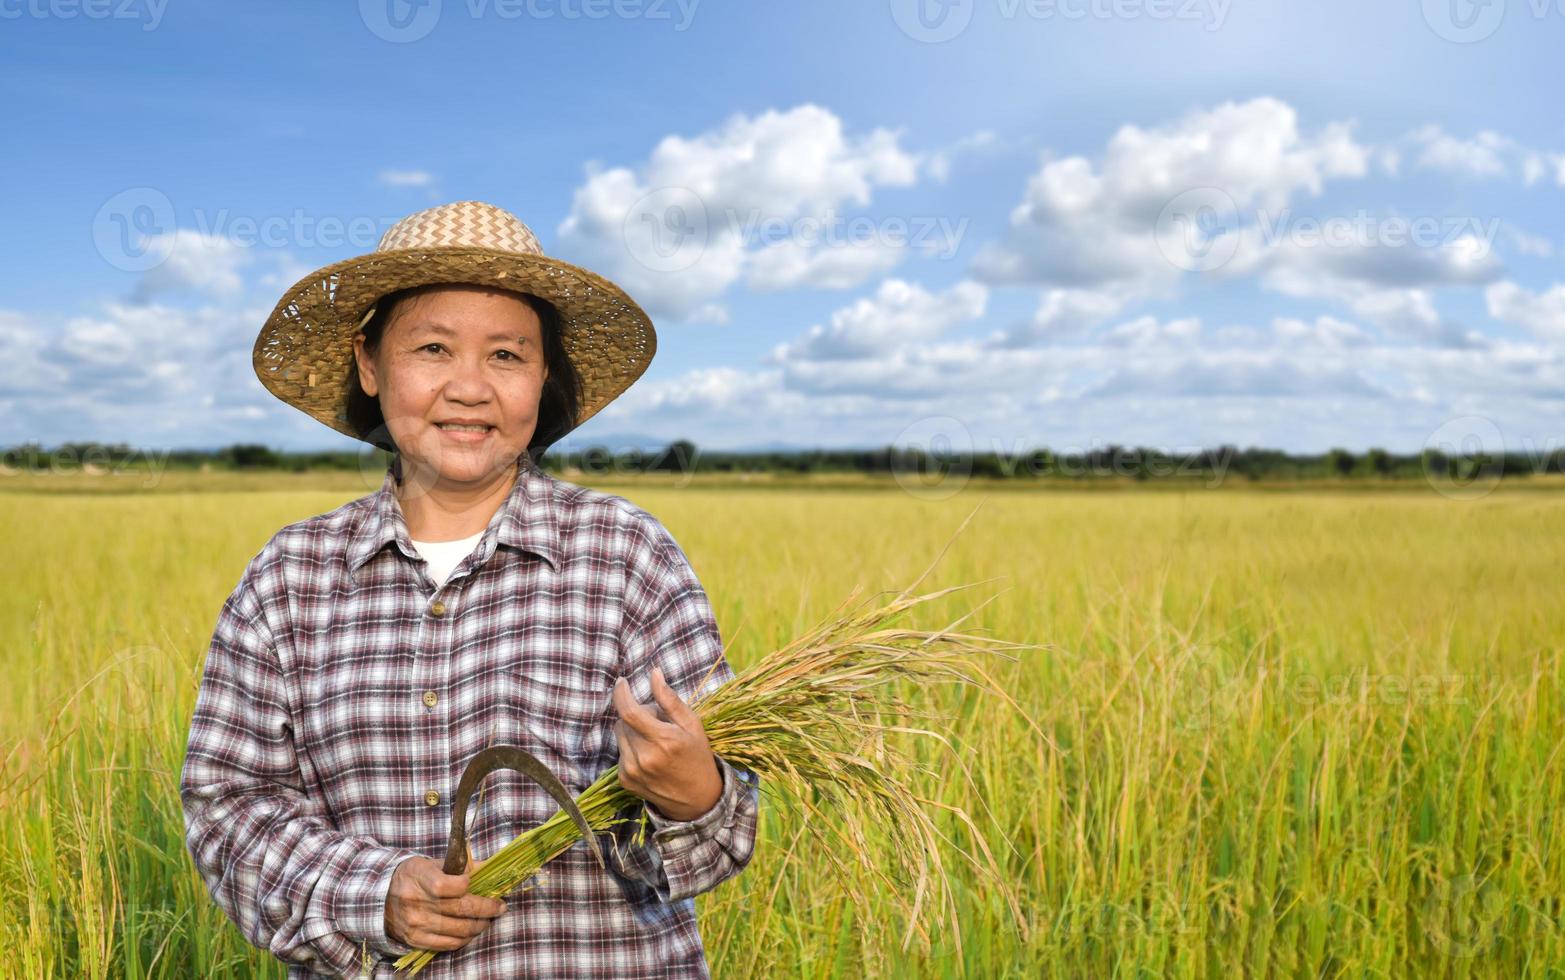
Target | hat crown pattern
(463,224)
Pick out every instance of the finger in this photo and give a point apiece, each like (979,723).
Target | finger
(434,941)
(454,926)
(634,714)
(470,907)
(448,886)
(632,711)
(669,700)
(630,761)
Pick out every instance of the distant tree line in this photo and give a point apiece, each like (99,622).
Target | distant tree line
(682,456)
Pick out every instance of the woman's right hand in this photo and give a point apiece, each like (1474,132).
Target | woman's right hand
(429,909)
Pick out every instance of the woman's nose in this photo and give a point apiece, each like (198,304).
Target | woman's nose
(467,380)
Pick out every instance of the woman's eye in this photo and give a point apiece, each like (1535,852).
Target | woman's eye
(436,348)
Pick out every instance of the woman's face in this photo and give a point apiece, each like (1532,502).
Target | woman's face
(458,354)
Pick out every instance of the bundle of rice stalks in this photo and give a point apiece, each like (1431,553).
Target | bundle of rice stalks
(825,725)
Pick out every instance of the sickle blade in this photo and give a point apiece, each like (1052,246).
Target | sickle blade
(524,762)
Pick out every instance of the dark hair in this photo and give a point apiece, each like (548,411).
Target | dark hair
(558,403)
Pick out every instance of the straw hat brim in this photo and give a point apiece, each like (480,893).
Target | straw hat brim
(305,350)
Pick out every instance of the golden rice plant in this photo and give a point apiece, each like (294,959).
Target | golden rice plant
(825,725)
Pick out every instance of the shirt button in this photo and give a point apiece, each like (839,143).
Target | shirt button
(437,608)
(430,698)
(431,798)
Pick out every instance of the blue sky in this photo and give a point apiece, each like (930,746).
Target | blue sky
(989,222)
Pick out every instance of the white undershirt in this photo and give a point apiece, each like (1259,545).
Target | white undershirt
(445,556)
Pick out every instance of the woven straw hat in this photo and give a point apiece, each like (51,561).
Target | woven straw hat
(304,352)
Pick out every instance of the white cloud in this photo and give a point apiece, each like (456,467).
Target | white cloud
(1272,375)
(659,245)
(286,271)
(1411,313)
(680,228)
(935,375)
(1407,313)
(714,313)
(1485,155)
(1061,313)
(405,178)
(885,364)
(1481,156)
(1529,244)
(145,374)
(899,313)
(1542,313)
(1169,382)
(1324,331)
(1312,269)
(787,265)
(1149,331)
(1082,223)
(938,164)
(25,370)
(1538,166)
(1089,229)
(196,262)
(1385,284)
(718,389)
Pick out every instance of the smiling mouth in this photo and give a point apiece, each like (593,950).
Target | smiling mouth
(452,427)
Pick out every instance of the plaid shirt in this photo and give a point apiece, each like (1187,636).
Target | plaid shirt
(343,694)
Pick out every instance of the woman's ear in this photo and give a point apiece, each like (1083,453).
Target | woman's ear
(365,366)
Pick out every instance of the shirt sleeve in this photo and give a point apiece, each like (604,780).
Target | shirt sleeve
(263,844)
(672,627)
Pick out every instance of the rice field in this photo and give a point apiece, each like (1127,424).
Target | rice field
(1304,733)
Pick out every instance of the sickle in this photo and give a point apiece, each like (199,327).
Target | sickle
(508,757)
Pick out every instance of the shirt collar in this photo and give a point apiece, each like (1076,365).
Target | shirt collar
(525,521)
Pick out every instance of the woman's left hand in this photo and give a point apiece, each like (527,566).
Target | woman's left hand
(664,755)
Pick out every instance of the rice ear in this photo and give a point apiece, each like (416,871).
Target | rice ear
(820,721)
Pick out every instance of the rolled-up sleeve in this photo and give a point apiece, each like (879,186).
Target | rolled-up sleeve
(698,855)
(263,844)
(672,626)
